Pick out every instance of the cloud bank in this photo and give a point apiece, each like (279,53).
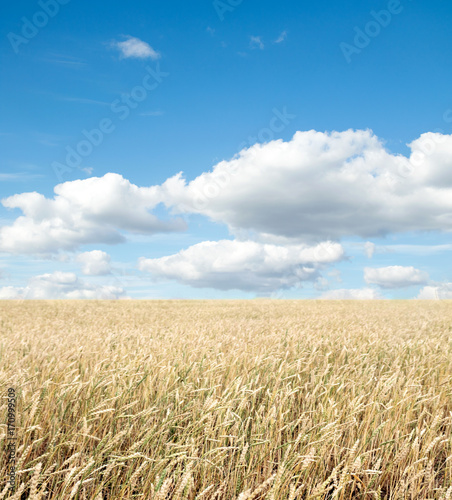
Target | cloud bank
(88,211)
(61,285)
(324,186)
(352,294)
(278,200)
(244,265)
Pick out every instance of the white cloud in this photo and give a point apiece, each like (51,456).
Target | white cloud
(315,187)
(369,249)
(60,285)
(352,294)
(10,292)
(395,276)
(95,263)
(135,48)
(430,160)
(256,42)
(281,37)
(244,265)
(443,291)
(94,210)
(320,186)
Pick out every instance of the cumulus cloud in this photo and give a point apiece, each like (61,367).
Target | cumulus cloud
(135,48)
(352,294)
(61,285)
(430,161)
(10,292)
(323,186)
(442,291)
(244,265)
(395,276)
(278,198)
(94,210)
(95,263)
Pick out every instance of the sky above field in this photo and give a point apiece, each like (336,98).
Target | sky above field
(226,149)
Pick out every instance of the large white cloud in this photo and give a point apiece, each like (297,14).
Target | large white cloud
(95,263)
(352,294)
(316,187)
(441,291)
(322,186)
(395,276)
(244,265)
(94,210)
(61,285)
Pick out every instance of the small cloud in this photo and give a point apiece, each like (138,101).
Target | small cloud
(136,48)
(352,294)
(224,44)
(395,276)
(210,30)
(369,249)
(321,284)
(281,37)
(256,42)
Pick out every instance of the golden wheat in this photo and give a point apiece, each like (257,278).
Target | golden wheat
(228,400)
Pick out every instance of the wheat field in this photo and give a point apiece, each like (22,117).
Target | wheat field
(228,400)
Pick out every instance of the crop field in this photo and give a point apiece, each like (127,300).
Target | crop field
(228,400)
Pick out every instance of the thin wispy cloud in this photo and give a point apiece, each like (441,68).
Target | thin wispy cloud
(134,48)
(152,113)
(66,61)
(256,42)
(21,176)
(281,37)
(84,100)
(210,30)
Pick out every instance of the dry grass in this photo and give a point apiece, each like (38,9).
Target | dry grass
(226,400)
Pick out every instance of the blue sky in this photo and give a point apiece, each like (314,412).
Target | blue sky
(311,105)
